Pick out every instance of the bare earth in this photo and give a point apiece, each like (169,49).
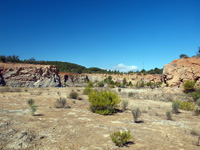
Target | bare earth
(77,128)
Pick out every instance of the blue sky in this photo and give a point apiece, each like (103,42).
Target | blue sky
(101,33)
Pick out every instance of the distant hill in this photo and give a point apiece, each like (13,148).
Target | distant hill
(71,67)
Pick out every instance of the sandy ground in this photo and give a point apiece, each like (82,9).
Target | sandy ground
(77,128)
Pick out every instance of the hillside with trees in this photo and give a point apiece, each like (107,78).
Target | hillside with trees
(71,67)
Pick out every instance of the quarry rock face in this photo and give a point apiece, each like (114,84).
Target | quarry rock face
(29,75)
(71,79)
(180,70)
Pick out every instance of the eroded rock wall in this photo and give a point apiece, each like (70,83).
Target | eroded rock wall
(29,75)
(180,70)
(73,79)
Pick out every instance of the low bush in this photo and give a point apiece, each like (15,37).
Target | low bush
(104,102)
(198,103)
(175,107)
(130,94)
(60,103)
(118,84)
(140,84)
(111,86)
(195,95)
(73,95)
(90,84)
(122,86)
(188,86)
(136,113)
(32,105)
(149,83)
(197,109)
(130,83)
(101,84)
(87,90)
(169,115)
(124,105)
(189,106)
(121,138)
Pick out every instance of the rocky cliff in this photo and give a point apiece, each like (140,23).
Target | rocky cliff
(180,70)
(29,75)
(71,79)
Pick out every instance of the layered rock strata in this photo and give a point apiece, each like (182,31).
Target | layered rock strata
(29,75)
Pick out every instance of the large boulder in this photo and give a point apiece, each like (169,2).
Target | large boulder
(29,75)
(180,70)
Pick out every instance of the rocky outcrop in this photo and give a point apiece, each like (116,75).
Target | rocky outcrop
(180,70)
(29,75)
(73,79)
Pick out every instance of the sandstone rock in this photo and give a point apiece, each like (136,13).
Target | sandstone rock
(29,75)
(180,70)
(73,79)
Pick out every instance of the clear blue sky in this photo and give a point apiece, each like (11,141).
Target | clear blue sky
(101,33)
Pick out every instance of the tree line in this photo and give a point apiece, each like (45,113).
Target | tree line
(71,67)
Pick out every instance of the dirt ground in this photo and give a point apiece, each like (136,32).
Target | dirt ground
(76,128)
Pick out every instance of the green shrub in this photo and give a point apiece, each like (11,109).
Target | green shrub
(112,83)
(90,84)
(32,105)
(30,102)
(130,94)
(188,86)
(109,78)
(87,90)
(175,107)
(101,84)
(195,95)
(104,102)
(124,81)
(60,103)
(130,83)
(124,104)
(118,84)
(111,86)
(149,83)
(189,106)
(140,84)
(73,95)
(92,108)
(122,86)
(136,113)
(183,56)
(197,111)
(158,84)
(169,115)
(121,139)
(198,102)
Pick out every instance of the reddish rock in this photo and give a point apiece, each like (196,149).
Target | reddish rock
(180,70)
